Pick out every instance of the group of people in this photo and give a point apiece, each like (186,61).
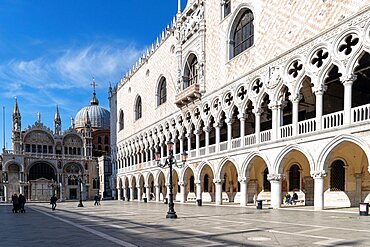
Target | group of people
(18,203)
(290,200)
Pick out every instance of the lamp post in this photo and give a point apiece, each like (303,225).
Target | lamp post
(80,182)
(169,162)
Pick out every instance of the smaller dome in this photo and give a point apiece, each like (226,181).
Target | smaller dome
(99,117)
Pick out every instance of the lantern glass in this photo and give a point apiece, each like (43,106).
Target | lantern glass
(157,156)
(184,157)
(170,146)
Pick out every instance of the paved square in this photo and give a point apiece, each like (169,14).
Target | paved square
(117,223)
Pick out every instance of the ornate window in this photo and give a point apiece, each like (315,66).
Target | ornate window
(121,120)
(337,176)
(266,183)
(294,178)
(191,71)
(242,36)
(138,108)
(162,92)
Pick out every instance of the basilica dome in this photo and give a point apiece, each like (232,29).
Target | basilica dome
(98,115)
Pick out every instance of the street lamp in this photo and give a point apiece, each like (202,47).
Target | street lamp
(80,182)
(169,162)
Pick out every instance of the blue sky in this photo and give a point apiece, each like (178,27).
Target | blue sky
(51,49)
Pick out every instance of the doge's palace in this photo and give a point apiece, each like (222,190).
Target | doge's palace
(266,97)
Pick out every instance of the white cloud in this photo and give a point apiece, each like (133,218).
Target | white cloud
(68,69)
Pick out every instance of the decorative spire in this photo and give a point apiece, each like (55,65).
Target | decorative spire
(179,6)
(72,123)
(57,122)
(16,108)
(39,117)
(94,100)
(88,118)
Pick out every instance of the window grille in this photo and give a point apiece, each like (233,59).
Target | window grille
(337,176)
(138,108)
(162,92)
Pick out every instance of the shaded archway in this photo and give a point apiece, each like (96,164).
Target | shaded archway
(258,186)
(189,193)
(206,178)
(347,180)
(230,183)
(141,188)
(151,188)
(162,188)
(42,181)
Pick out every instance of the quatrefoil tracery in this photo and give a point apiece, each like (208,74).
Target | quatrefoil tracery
(257,86)
(319,58)
(349,43)
(295,68)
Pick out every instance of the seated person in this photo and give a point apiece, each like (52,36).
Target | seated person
(294,198)
(287,199)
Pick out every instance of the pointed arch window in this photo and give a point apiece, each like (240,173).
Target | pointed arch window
(121,120)
(242,35)
(191,71)
(162,92)
(138,109)
(294,178)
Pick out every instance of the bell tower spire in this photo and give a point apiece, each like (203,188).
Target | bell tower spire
(17,127)
(57,122)
(179,6)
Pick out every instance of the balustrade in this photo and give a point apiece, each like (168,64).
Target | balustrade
(360,113)
(332,120)
(265,136)
(307,126)
(250,139)
(212,149)
(223,146)
(236,143)
(202,151)
(286,131)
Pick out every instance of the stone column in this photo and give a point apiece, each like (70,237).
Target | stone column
(189,142)
(197,144)
(131,193)
(162,152)
(182,192)
(347,83)
(199,190)
(242,128)
(206,131)
(243,191)
(119,194)
(21,188)
(151,154)
(217,128)
(229,123)
(295,111)
(181,139)
(168,191)
(6,193)
(147,193)
(138,193)
(218,192)
(157,193)
(275,180)
(257,112)
(319,93)
(124,193)
(275,121)
(318,199)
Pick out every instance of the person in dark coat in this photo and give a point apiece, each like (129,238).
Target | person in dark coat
(15,203)
(96,199)
(21,201)
(53,202)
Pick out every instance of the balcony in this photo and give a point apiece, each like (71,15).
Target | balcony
(187,95)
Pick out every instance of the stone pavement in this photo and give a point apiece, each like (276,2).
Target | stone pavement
(117,223)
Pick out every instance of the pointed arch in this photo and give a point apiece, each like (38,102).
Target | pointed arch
(278,167)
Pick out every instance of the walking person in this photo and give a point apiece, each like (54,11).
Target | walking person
(99,198)
(53,202)
(15,203)
(22,202)
(96,199)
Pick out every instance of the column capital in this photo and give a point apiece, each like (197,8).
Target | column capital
(319,90)
(242,116)
(275,177)
(295,98)
(318,174)
(258,111)
(196,132)
(181,183)
(348,79)
(217,181)
(216,125)
(207,129)
(167,184)
(197,182)
(243,179)
(229,121)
